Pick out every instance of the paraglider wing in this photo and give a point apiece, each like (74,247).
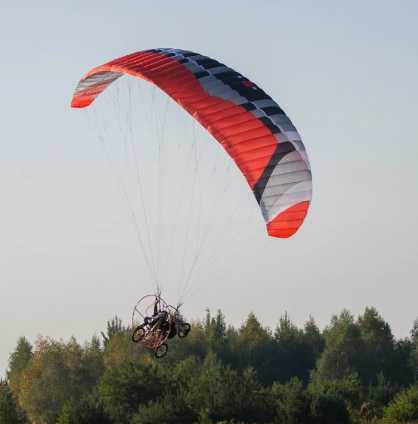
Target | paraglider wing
(251,127)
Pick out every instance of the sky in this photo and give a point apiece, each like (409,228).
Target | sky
(346,74)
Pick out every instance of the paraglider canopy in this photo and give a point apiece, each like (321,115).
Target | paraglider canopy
(248,123)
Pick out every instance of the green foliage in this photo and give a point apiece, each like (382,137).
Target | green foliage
(290,402)
(338,398)
(20,357)
(92,362)
(215,331)
(350,373)
(404,370)
(252,346)
(414,351)
(314,340)
(113,327)
(120,350)
(414,333)
(379,346)
(225,394)
(211,391)
(379,395)
(347,388)
(344,348)
(85,411)
(328,408)
(128,385)
(18,361)
(57,373)
(154,413)
(169,410)
(9,411)
(404,408)
(366,347)
(297,348)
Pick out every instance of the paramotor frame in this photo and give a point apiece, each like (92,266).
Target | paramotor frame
(154,333)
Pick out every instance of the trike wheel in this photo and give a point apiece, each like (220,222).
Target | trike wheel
(161,350)
(184,330)
(138,334)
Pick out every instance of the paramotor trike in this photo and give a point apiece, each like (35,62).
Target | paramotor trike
(154,321)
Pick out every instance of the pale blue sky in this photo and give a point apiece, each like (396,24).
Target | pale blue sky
(345,73)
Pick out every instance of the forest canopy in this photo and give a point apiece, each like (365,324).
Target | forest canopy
(353,371)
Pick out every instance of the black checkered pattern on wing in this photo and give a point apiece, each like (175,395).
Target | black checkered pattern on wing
(281,151)
(248,90)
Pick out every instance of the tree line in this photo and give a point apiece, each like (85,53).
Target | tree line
(354,371)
